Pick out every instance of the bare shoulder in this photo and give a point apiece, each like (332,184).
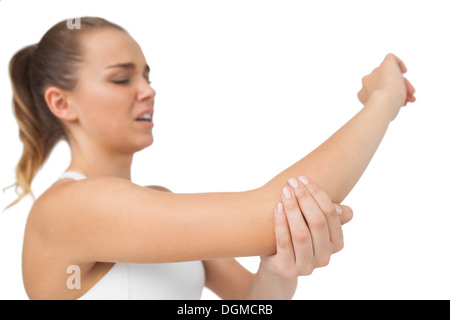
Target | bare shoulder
(68,199)
(46,254)
(61,220)
(66,194)
(89,216)
(65,208)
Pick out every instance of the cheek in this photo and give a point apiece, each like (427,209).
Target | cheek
(106,111)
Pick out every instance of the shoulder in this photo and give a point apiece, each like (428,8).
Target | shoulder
(86,215)
(66,211)
(67,197)
(58,195)
(45,257)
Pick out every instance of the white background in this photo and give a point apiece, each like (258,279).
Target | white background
(247,88)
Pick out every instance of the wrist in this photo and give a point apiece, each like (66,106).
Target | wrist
(267,271)
(386,104)
(268,284)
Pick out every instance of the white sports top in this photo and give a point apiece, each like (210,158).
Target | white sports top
(163,281)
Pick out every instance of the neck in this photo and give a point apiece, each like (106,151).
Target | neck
(94,162)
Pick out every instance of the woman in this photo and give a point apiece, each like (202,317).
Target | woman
(90,87)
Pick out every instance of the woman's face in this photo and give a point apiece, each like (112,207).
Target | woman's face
(113,90)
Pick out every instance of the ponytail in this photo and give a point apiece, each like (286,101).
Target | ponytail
(30,130)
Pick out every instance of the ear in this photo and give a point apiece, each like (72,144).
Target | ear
(59,104)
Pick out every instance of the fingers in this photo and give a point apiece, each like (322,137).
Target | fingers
(391,65)
(393,58)
(300,234)
(318,199)
(322,217)
(401,65)
(285,249)
(294,255)
(410,90)
(315,219)
(307,229)
(362,96)
(346,215)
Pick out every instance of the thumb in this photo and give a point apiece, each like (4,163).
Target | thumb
(346,215)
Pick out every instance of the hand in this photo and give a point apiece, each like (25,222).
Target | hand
(307,230)
(388,79)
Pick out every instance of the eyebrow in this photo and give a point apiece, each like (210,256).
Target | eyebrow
(128,65)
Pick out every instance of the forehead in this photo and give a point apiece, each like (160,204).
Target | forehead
(105,47)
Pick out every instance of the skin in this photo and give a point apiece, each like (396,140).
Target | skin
(100,115)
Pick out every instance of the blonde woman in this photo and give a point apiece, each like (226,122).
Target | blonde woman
(90,87)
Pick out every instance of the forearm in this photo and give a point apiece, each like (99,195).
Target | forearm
(241,223)
(339,162)
(335,166)
(223,225)
(266,285)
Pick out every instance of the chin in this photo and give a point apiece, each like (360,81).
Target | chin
(133,143)
(144,144)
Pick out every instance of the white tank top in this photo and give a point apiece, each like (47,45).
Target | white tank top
(163,281)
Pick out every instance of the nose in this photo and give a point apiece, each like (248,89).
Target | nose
(145,91)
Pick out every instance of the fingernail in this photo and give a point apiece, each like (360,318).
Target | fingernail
(304,180)
(293,183)
(338,209)
(279,208)
(287,192)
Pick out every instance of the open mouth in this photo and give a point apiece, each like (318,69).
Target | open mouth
(145,117)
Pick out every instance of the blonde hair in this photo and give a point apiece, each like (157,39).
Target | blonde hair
(51,62)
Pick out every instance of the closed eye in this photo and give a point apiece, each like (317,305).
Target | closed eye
(125,81)
(122,81)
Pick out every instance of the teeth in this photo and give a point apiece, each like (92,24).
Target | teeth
(146,116)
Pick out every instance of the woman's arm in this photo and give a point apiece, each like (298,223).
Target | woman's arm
(307,231)
(109,219)
(113,220)
(339,162)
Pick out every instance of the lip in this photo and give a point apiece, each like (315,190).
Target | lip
(144,112)
(148,124)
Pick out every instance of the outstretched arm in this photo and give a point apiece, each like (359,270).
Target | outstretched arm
(113,220)
(339,162)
